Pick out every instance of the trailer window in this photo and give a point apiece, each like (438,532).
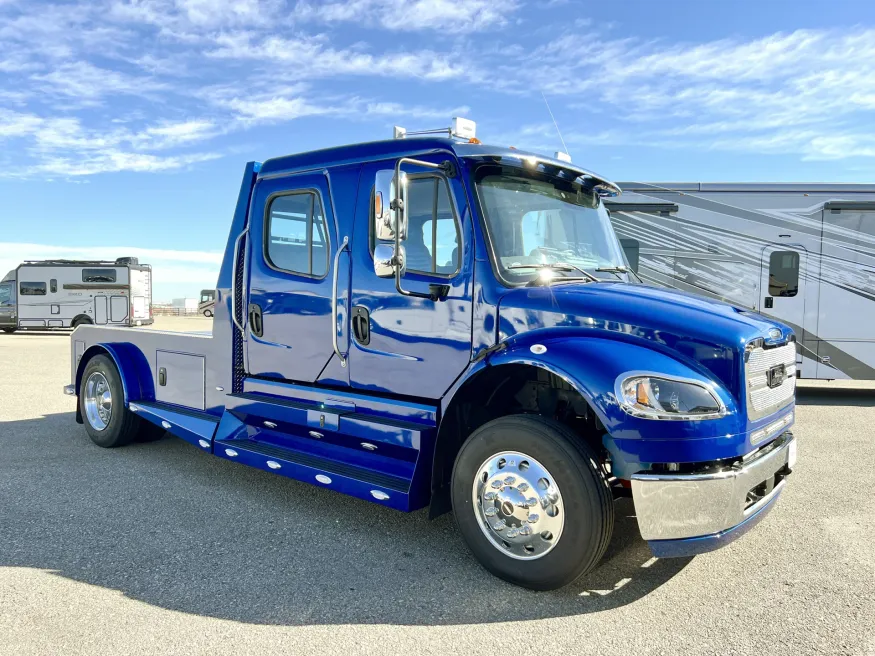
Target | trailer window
(784,273)
(98,275)
(296,237)
(32,289)
(53,286)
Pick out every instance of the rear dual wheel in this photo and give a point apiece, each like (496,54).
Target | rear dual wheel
(532,502)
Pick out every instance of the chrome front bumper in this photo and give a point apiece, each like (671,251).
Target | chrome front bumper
(677,506)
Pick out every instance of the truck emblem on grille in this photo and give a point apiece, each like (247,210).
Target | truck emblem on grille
(777,375)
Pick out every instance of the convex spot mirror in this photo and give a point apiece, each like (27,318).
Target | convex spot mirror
(385,260)
(390,206)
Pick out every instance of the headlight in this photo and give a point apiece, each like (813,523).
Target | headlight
(656,397)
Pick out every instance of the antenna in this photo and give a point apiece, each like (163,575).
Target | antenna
(564,147)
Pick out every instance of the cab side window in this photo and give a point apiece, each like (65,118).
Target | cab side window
(296,237)
(432,245)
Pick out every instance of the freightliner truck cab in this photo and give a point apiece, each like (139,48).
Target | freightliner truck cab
(430,321)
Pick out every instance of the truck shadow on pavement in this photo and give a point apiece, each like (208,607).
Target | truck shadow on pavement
(169,525)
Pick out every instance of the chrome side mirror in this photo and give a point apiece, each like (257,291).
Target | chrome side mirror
(390,206)
(385,260)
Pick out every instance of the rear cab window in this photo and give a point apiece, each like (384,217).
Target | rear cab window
(296,239)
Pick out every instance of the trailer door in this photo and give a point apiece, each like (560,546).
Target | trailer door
(100,310)
(782,287)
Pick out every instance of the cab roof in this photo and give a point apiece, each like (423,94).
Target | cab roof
(411,146)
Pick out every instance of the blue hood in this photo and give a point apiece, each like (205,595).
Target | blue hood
(710,335)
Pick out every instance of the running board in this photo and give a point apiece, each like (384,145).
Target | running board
(195,427)
(363,474)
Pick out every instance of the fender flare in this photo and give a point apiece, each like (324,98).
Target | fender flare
(136,375)
(591,364)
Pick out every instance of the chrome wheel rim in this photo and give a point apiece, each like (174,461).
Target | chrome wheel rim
(98,401)
(518,505)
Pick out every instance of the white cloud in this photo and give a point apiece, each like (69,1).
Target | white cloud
(443,15)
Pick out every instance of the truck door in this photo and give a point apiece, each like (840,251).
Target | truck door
(782,287)
(289,307)
(404,344)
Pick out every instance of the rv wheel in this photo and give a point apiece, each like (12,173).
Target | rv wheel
(81,320)
(9,330)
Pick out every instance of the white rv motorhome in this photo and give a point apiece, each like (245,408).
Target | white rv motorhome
(801,253)
(54,294)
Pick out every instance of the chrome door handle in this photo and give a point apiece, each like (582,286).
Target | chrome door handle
(234,283)
(342,247)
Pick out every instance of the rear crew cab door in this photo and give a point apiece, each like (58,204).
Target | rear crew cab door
(288,308)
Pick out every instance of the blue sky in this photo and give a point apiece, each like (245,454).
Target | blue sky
(125,126)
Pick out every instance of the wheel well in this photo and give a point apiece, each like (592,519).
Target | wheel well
(507,390)
(81,318)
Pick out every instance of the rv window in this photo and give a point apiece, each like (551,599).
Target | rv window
(98,275)
(53,286)
(296,238)
(784,273)
(32,289)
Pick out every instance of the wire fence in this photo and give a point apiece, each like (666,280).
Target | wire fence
(173,311)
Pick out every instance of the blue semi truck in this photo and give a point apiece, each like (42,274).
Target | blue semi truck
(430,321)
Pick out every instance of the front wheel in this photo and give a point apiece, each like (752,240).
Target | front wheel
(9,331)
(532,502)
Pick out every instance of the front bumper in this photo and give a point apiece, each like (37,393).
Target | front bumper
(686,514)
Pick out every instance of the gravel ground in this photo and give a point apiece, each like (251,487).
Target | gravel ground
(160,548)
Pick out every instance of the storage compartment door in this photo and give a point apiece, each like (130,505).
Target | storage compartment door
(118,308)
(100,310)
(179,379)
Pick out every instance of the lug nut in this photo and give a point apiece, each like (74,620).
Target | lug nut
(533,518)
(525,530)
(496,484)
(490,511)
(522,487)
(490,496)
(510,480)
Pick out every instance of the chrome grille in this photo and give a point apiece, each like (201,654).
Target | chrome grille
(763,400)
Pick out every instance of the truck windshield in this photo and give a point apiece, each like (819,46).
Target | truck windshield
(546,228)
(6,293)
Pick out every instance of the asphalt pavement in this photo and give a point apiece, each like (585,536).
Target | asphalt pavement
(161,548)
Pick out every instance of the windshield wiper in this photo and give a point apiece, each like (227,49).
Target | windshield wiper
(619,269)
(557,266)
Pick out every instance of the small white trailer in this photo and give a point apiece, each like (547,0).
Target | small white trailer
(57,294)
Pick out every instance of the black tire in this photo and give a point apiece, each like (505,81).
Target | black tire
(81,321)
(586,496)
(208,314)
(9,331)
(123,426)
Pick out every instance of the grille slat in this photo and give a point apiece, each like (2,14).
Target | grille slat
(763,400)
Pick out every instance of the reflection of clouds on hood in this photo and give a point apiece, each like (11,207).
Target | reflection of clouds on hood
(174,273)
